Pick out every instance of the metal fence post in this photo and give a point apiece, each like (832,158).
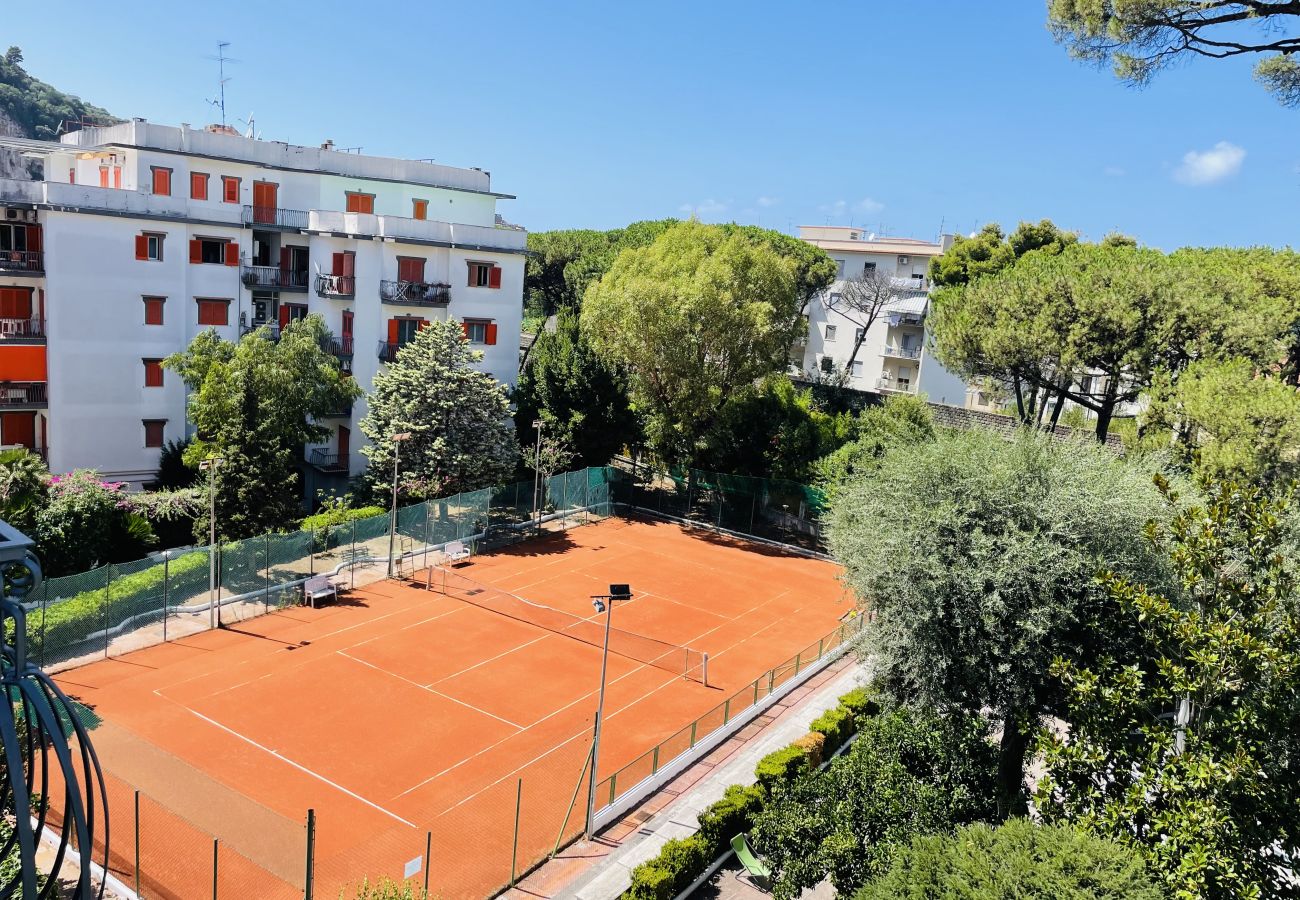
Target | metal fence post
(352,569)
(514,851)
(167,560)
(215,844)
(108,599)
(311,856)
(654,761)
(693,727)
(137,843)
(796,662)
(753,503)
(726,711)
(428,854)
(266,559)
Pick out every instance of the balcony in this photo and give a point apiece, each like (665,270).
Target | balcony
(414,293)
(22,262)
(895,386)
(341,348)
(20,331)
(903,352)
(388,351)
(336,285)
(328,461)
(918,285)
(23,395)
(274,217)
(273,278)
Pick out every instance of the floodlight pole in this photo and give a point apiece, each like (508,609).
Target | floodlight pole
(603,603)
(392,514)
(537,473)
(214,609)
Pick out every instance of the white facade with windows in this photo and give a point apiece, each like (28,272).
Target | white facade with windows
(892,356)
(140,236)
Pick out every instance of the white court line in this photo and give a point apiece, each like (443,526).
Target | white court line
(484,662)
(300,768)
(430,690)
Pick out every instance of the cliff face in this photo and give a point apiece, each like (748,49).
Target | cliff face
(12,165)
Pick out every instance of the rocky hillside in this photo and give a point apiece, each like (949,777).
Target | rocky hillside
(31,108)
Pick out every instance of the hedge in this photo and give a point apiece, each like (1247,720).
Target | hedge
(683,860)
(330,517)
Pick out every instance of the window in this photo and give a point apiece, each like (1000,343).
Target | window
(410,268)
(229,189)
(857,368)
(858,334)
(103,176)
(480,331)
(162,181)
(360,203)
(198,186)
(214,250)
(153,310)
(153,432)
(214,312)
(153,373)
(830,332)
(484,275)
(839,268)
(406,329)
(149,245)
(868,268)
(419,209)
(827,364)
(835,298)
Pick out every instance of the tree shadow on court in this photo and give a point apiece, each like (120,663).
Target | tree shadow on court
(759,544)
(547,543)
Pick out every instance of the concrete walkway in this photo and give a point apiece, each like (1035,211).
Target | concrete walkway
(601,869)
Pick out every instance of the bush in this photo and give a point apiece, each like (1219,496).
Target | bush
(813,745)
(339,515)
(835,725)
(387,889)
(732,815)
(1018,859)
(861,702)
(781,767)
(680,862)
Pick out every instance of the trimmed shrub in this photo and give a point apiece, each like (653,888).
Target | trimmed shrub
(813,745)
(861,702)
(781,767)
(335,515)
(387,889)
(679,863)
(835,725)
(1018,859)
(732,815)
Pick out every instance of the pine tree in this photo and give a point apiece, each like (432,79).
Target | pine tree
(458,418)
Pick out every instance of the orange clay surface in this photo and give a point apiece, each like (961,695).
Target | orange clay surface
(403,716)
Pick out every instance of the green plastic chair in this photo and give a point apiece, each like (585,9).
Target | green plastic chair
(755,867)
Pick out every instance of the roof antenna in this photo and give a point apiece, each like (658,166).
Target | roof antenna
(221,60)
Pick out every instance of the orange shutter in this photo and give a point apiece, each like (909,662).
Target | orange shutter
(198,186)
(392,331)
(337,264)
(420,209)
(22,363)
(34,238)
(494,277)
(196,250)
(142,246)
(284,316)
(232,254)
(349,264)
(103,176)
(72,176)
(491,336)
(117,177)
(420,325)
(464,329)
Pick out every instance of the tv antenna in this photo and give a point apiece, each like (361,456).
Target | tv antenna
(250,128)
(221,60)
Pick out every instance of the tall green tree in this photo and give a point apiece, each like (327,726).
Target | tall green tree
(977,559)
(256,404)
(579,397)
(900,421)
(37,107)
(990,251)
(1139,38)
(1186,749)
(694,317)
(458,418)
(908,773)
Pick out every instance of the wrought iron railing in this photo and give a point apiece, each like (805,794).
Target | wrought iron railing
(273,277)
(388,351)
(899,386)
(275,217)
(336,285)
(23,393)
(22,261)
(414,293)
(904,352)
(328,461)
(22,328)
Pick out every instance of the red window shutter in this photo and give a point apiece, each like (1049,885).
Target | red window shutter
(420,209)
(196,250)
(153,373)
(103,176)
(142,246)
(337,264)
(198,186)
(392,331)
(491,336)
(284,259)
(117,177)
(153,311)
(473,270)
(72,176)
(421,324)
(34,238)
(494,277)
(232,254)
(349,264)
(464,329)
(347,323)
(284,316)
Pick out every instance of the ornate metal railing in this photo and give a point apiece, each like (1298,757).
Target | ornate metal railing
(22,261)
(23,393)
(275,217)
(328,461)
(273,277)
(336,285)
(22,329)
(414,293)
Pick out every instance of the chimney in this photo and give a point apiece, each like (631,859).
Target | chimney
(328,145)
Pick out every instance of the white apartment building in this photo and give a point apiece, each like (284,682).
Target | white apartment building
(892,357)
(141,236)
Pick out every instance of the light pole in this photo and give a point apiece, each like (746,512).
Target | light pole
(603,603)
(392,516)
(210,465)
(537,473)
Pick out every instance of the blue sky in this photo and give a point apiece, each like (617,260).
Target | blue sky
(895,115)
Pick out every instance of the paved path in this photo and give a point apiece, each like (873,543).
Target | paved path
(601,869)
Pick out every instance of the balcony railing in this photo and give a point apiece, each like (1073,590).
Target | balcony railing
(29,261)
(388,351)
(340,347)
(274,217)
(22,330)
(336,285)
(328,461)
(904,352)
(414,293)
(897,386)
(31,394)
(273,277)
(920,285)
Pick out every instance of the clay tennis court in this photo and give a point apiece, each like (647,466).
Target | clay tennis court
(406,717)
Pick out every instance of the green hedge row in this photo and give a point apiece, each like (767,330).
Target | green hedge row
(682,860)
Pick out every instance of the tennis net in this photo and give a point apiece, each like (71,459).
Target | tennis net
(684,661)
